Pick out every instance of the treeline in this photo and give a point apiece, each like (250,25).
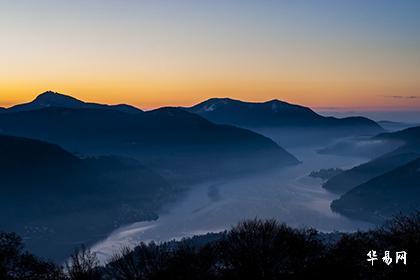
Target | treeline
(256,249)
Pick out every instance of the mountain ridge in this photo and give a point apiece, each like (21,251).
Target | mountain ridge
(290,125)
(271,108)
(396,191)
(163,137)
(391,178)
(406,149)
(57,196)
(54,99)
(349,179)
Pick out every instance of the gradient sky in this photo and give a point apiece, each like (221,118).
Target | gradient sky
(327,54)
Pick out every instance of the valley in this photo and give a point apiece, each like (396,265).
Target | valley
(288,195)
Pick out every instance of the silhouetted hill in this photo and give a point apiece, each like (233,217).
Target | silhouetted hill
(368,182)
(383,196)
(407,143)
(46,193)
(282,121)
(165,138)
(272,113)
(364,147)
(395,126)
(54,99)
(403,141)
(411,134)
(355,176)
(409,138)
(22,153)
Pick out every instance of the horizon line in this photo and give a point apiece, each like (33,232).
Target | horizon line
(331,108)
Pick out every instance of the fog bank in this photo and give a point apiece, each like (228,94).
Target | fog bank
(287,195)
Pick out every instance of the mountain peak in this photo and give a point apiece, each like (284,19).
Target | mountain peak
(276,101)
(277,105)
(227,101)
(54,99)
(50,93)
(228,104)
(220,100)
(277,113)
(51,98)
(213,104)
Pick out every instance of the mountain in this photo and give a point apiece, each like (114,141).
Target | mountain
(360,174)
(54,99)
(405,147)
(271,113)
(383,196)
(47,193)
(395,126)
(408,138)
(2,109)
(168,138)
(384,186)
(363,147)
(283,121)
(403,141)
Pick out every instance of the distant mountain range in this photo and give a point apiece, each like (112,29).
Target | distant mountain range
(53,195)
(166,137)
(282,121)
(288,124)
(54,99)
(272,113)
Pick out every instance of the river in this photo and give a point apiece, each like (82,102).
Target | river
(286,194)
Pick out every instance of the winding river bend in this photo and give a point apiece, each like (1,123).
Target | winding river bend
(287,195)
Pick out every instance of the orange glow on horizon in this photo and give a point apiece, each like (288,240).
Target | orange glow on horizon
(149,97)
(170,53)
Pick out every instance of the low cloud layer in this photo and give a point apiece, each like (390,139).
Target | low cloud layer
(402,96)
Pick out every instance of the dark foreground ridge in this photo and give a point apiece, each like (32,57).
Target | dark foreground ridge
(62,199)
(252,250)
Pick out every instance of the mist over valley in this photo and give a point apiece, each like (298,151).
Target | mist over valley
(112,176)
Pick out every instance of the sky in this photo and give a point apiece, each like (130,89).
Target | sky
(331,55)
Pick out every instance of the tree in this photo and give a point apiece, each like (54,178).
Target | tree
(16,264)
(83,265)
